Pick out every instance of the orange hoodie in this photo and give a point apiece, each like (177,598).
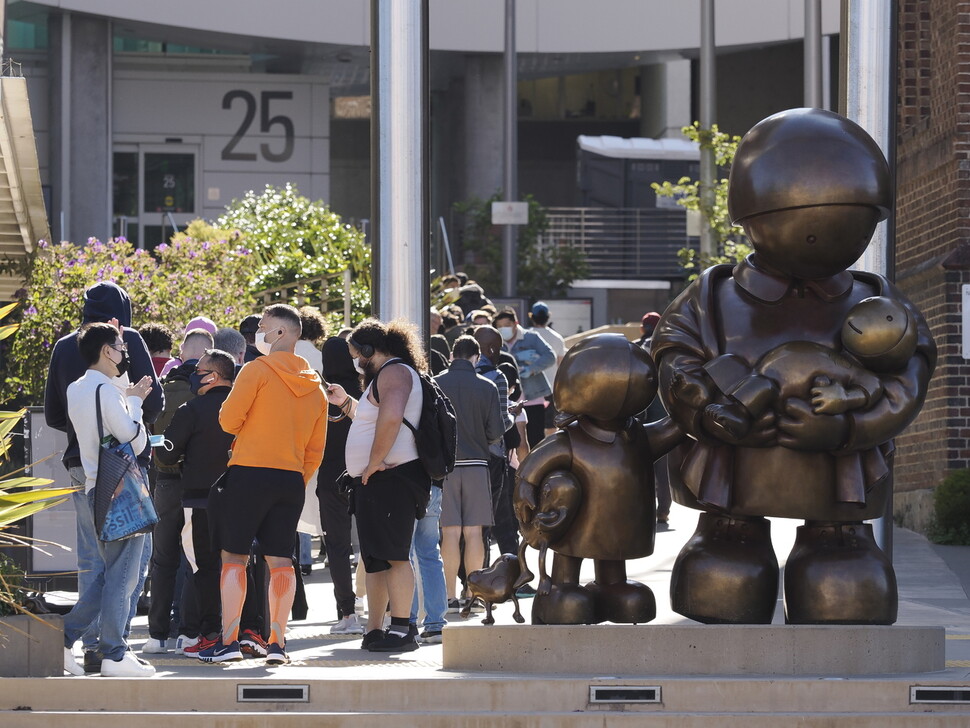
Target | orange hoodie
(278,412)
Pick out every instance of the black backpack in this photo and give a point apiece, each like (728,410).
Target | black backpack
(436,435)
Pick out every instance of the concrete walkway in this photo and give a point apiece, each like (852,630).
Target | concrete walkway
(934,582)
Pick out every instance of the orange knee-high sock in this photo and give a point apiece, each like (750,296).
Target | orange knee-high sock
(233,587)
(282,589)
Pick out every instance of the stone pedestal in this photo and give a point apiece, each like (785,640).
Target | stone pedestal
(694,650)
(32,646)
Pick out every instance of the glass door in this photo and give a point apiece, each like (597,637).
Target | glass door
(155,191)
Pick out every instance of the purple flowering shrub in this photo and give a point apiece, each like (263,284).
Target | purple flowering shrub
(180,281)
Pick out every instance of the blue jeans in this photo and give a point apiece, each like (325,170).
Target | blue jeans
(306,546)
(114,575)
(87,556)
(426,560)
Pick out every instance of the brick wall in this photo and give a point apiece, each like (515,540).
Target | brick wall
(933,234)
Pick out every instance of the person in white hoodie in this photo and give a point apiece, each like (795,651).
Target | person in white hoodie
(107,599)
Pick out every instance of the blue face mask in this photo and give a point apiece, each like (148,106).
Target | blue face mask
(195,382)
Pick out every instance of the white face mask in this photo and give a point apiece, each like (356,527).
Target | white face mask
(507,333)
(263,346)
(357,366)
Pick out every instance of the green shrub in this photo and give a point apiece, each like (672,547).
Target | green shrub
(951,501)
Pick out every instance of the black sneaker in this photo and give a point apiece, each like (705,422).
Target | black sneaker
(454,606)
(431,636)
(220,652)
(393,642)
(275,655)
(525,591)
(370,638)
(92,661)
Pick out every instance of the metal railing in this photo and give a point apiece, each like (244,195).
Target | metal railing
(625,243)
(328,293)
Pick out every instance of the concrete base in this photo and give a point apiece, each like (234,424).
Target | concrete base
(31,646)
(694,650)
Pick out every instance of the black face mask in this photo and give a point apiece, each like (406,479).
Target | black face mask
(124,365)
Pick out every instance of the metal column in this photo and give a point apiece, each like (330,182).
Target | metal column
(510,152)
(708,101)
(813,54)
(399,160)
(867,82)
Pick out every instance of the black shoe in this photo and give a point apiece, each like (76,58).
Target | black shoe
(92,661)
(370,638)
(526,590)
(306,569)
(393,642)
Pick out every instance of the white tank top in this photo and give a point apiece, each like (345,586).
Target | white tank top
(362,429)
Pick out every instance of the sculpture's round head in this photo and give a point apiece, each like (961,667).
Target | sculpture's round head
(881,333)
(808,186)
(605,377)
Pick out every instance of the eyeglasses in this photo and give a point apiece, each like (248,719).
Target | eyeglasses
(119,347)
(205,372)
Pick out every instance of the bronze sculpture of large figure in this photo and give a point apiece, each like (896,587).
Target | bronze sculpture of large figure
(792,385)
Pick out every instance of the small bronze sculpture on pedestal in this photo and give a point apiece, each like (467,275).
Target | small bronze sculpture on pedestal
(792,385)
(587,491)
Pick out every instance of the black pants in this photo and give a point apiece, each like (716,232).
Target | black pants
(335,519)
(505,532)
(166,555)
(535,428)
(201,598)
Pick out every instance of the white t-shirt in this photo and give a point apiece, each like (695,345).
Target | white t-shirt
(309,351)
(362,429)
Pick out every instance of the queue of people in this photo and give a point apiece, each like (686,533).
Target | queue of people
(260,425)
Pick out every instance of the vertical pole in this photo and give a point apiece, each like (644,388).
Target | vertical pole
(813,54)
(867,83)
(399,160)
(708,96)
(510,152)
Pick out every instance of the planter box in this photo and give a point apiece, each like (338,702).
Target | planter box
(32,648)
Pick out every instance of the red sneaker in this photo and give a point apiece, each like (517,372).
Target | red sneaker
(203,644)
(252,644)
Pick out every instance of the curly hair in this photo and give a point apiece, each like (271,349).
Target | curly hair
(398,338)
(158,337)
(314,324)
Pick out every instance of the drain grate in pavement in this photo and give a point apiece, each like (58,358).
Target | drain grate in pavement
(939,694)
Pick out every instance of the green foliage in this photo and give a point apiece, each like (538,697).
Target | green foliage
(543,271)
(731,244)
(951,500)
(293,238)
(179,281)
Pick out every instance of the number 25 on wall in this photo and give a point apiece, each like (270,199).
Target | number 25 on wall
(266,124)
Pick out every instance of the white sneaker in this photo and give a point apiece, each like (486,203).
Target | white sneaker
(182,642)
(359,606)
(348,625)
(154,647)
(127,666)
(70,664)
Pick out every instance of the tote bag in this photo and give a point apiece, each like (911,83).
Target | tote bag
(122,503)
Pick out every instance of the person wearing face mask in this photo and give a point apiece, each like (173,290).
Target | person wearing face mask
(394,487)
(167,552)
(104,605)
(278,412)
(534,356)
(197,444)
(109,303)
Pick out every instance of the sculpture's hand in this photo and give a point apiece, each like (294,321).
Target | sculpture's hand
(828,398)
(801,429)
(762,433)
(690,390)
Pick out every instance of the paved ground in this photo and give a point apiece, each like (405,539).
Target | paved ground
(934,582)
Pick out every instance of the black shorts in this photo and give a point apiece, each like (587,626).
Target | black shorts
(386,509)
(262,504)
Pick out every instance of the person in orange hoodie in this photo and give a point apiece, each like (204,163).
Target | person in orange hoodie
(278,412)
